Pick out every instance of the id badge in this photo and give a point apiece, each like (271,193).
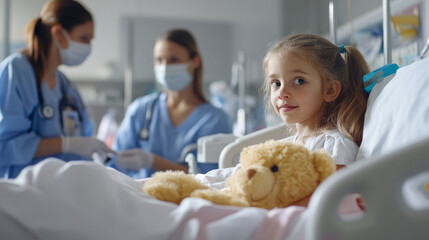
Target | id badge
(71,124)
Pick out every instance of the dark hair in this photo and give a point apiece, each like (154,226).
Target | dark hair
(67,13)
(347,111)
(185,39)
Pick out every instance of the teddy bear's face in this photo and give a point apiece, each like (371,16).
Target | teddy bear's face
(277,174)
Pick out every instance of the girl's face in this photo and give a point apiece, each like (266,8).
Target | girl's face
(295,89)
(166,52)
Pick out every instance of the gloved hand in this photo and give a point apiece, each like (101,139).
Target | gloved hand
(134,159)
(84,146)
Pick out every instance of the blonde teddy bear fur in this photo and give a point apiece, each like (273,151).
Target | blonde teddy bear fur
(272,174)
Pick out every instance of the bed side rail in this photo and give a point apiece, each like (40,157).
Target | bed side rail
(388,185)
(228,156)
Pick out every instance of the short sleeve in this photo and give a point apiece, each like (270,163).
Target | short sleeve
(342,149)
(18,102)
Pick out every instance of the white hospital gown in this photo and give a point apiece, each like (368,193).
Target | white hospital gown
(342,149)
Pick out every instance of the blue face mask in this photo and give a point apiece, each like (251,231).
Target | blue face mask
(76,52)
(173,77)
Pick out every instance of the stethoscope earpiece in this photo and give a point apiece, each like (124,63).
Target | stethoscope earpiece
(46,111)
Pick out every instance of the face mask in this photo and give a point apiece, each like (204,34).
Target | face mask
(76,52)
(174,77)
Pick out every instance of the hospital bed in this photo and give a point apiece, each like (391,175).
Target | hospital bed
(392,169)
(395,188)
(83,200)
(392,173)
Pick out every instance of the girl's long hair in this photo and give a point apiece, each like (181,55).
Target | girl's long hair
(347,111)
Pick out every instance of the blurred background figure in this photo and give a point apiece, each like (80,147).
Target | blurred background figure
(42,114)
(159,129)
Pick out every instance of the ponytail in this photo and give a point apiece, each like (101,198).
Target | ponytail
(38,42)
(352,105)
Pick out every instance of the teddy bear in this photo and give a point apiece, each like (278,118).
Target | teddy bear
(272,174)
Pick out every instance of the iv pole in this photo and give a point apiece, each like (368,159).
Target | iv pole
(128,74)
(332,22)
(241,113)
(386,33)
(6,28)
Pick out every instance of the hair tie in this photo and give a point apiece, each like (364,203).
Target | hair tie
(342,49)
(37,25)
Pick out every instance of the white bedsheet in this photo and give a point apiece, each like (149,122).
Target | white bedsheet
(83,200)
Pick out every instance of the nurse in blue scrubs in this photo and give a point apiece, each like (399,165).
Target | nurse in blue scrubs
(159,129)
(41,112)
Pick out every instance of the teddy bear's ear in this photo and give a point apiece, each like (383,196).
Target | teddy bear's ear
(323,163)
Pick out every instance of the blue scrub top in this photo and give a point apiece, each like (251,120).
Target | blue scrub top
(21,125)
(166,140)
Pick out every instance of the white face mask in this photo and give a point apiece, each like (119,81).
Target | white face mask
(76,52)
(174,77)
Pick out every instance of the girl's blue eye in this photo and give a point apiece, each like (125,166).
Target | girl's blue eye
(299,81)
(275,84)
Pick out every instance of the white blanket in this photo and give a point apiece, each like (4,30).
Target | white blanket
(83,200)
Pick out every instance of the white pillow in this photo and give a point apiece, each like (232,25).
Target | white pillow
(398,112)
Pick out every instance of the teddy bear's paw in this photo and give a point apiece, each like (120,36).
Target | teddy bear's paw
(163,191)
(218,197)
(172,186)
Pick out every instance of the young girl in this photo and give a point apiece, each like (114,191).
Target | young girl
(316,87)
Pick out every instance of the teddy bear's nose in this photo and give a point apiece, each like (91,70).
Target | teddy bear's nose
(250,173)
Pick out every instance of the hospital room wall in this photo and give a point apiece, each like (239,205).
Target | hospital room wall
(255,25)
(258,23)
(312,16)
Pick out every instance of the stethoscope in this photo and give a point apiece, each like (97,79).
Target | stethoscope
(47,111)
(144,132)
